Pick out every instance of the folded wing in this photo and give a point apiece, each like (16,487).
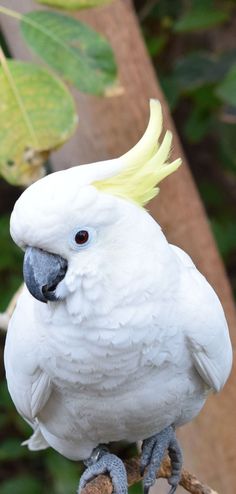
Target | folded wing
(207,334)
(29,385)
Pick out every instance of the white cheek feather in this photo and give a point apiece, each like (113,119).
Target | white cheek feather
(62,290)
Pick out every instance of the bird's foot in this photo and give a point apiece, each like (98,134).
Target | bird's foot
(102,462)
(153,452)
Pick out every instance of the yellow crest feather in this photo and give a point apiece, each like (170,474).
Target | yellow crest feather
(145,165)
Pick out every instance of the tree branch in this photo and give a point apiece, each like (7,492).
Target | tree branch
(103,484)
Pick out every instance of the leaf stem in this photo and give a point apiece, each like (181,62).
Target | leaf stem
(17,96)
(11,13)
(30,22)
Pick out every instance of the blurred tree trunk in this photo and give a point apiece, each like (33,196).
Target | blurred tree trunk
(109,127)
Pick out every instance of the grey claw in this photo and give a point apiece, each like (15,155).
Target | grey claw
(147,449)
(173,489)
(147,484)
(176,459)
(153,452)
(112,465)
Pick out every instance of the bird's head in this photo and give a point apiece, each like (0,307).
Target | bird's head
(84,229)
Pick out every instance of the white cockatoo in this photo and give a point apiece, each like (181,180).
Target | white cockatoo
(132,338)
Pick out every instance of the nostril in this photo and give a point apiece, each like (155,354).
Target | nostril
(49,288)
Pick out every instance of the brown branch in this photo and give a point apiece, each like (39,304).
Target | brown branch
(103,485)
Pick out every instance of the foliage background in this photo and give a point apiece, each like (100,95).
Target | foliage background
(192,45)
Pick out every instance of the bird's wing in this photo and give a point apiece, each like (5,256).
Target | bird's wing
(29,386)
(212,355)
(207,335)
(183,257)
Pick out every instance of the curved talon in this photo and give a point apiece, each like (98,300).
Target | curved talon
(173,489)
(153,452)
(147,448)
(176,459)
(111,464)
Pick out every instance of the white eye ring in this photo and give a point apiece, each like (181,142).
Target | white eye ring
(82,237)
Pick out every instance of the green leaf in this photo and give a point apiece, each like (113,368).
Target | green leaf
(11,284)
(79,54)
(171,90)
(227,145)
(37,116)
(3,420)
(201,68)
(194,71)
(166,9)
(22,427)
(202,15)
(201,117)
(197,125)
(224,62)
(11,260)
(205,98)
(21,485)
(225,233)
(11,256)
(5,399)
(136,488)
(156,44)
(11,449)
(226,90)
(65,474)
(74,4)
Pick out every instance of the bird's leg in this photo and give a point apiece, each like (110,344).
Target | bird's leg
(153,452)
(102,462)
(176,459)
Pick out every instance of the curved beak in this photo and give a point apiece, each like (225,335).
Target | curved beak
(42,272)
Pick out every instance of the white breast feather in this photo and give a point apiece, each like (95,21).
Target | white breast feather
(136,370)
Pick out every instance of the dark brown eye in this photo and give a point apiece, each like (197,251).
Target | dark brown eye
(81,237)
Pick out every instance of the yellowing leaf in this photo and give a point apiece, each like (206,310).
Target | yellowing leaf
(76,52)
(37,115)
(74,4)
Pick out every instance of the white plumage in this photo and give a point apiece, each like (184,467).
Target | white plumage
(138,338)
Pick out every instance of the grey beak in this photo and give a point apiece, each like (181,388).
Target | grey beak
(42,273)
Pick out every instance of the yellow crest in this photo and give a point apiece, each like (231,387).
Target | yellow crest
(145,165)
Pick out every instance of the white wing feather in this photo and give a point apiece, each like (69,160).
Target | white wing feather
(29,386)
(207,336)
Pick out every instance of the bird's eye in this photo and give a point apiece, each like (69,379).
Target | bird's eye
(81,237)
